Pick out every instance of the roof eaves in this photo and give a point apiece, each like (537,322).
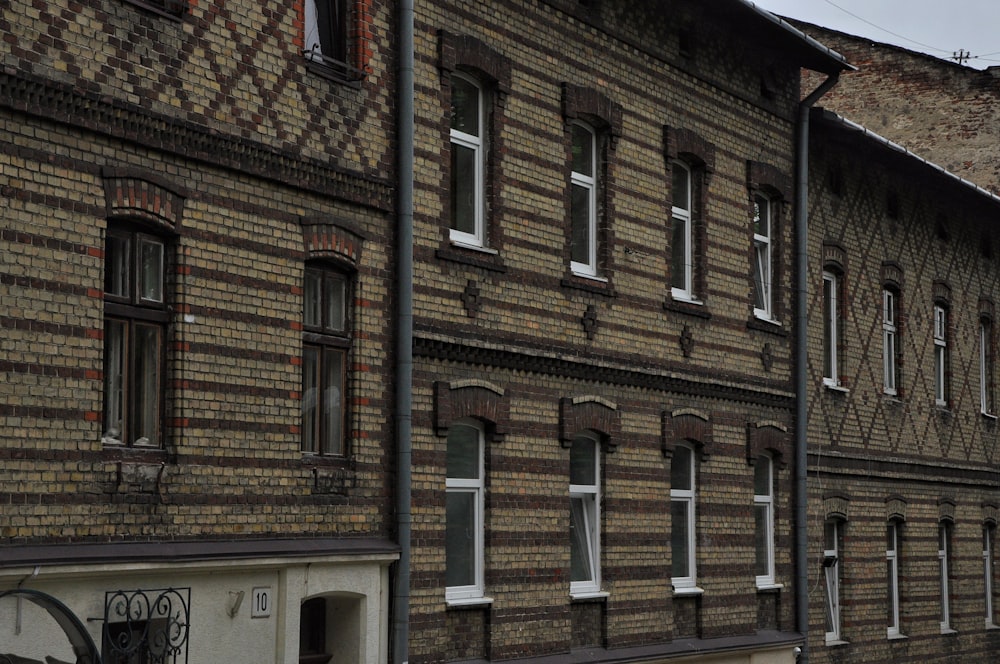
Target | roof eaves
(830,61)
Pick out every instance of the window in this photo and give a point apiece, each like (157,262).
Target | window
(892,577)
(986,365)
(944,560)
(763,512)
(681,235)
(135,323)
(940,355)
(988,538)
(312,632)
(326,31)
(464,512)
(326,342)
(172,8)
(585,515)
(831,328)
(682,519)
(468,162)
(583,206)
(890,341)
(762,267)
(831,569)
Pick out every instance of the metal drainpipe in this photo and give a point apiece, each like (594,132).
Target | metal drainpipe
(404,336)
(802,319)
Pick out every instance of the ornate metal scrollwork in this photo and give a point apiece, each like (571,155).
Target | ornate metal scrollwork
(147,626)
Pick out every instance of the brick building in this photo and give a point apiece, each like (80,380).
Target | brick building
(602,424)
(943,111)
(196,269)
(903,483)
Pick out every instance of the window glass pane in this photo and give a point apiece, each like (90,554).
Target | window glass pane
(678,253)
(463,188)
(333,401)
(460,547)
(761,257)
(581,568)
(335,301)
(761,530)
(310,394)
(829,302)
(679,192)
(830,536)
(146,385)
(583,461)
(583,151)
(463,452)
(114,380)
(679,528)
(762,477)
(312,316)
(680,469)
(116,265)
(761,216)
(581,214)
(151,270)
(464,106)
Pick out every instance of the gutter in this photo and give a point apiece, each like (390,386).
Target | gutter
(801,378)
(404,337)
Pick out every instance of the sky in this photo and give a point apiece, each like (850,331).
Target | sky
(941,29)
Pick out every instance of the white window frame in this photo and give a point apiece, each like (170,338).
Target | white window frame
(890,341)
(474,591)
(687,497)
(765,501)
(831,571)
(478,145)
(762,247)
(985,365)
(590,497)
(892,581)
(589,183)
(940,355)
(988,535)
(831,328)
(944,562)
(682,215)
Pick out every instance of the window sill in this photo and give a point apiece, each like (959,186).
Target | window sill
(589,277)
(988,416)
(487,259)
(837,642)
(468,602)
(769,587)
(896,637)
(687,307)
(590,596)
(840,389)
(768,325)
(344,75)
(688,591)
(990,626)
(175,13)
(595,285)
(948,631)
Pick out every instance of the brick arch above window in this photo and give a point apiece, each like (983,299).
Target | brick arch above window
(991,514)
(595,108)
(685,145)
(836,506)
(771,438)
(895,508)
(892,275)
(942,292)
(331,238)
(690,425)
(592,413)
(136,195)
(471,398)
(946,509)
(987,309)
(769,179)
(834,256)
(466,52)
